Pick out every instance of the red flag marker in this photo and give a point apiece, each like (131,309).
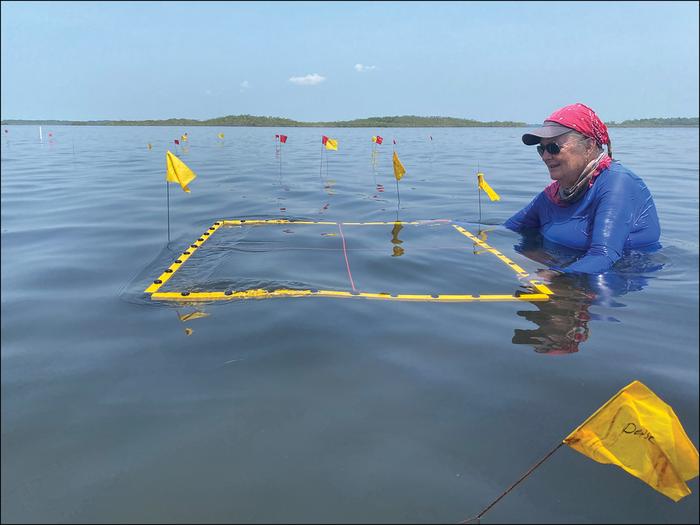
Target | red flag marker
(283,138)
(324,139)
(177,141)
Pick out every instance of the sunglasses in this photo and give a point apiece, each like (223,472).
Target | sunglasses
(552,148)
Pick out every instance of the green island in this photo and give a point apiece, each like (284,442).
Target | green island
(678,122)
(405,121)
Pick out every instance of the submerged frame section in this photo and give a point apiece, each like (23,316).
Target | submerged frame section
(541,291)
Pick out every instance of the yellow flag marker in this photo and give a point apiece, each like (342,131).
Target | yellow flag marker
(221,135)
(177,171)
(183,138)
(332,144)
(641,434)
(399,170)
(488,189)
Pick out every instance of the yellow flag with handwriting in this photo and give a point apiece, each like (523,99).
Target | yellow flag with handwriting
(177,171)
(488,189)
(399,170)
(641,434)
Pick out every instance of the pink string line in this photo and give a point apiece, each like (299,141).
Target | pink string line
(347,263)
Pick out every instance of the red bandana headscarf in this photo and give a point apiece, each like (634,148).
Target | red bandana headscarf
(584,120)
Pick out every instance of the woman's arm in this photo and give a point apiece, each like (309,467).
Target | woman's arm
(528,217)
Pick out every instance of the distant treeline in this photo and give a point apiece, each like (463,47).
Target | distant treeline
(406,121)
(656,123)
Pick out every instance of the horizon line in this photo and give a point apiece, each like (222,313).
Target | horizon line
(3,119)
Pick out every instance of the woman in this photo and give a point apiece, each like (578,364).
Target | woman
(595,204)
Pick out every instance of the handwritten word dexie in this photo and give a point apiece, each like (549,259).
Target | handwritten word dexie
(631,428)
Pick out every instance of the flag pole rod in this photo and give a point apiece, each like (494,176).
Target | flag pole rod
(397,183)
(374,171)
(478,190)
(320,169)
(476,518)
(167,189)
(398,193)
(374,164)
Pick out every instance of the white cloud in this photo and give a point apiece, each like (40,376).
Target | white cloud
(307,80)
(244,85)
(361,68)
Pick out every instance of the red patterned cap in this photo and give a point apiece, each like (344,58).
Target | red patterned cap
(578,117)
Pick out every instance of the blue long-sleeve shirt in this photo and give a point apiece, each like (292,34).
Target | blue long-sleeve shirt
(615,214)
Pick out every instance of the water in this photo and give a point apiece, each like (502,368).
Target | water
(322,410)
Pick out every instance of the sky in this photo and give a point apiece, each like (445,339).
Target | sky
(314,61)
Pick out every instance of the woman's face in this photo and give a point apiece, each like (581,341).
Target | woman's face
(567,165)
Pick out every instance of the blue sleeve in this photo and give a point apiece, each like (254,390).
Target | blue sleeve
(613,220)
(528,217)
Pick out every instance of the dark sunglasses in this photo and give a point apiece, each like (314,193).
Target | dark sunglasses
(552,148)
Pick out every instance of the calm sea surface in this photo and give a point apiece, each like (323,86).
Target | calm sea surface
(116,408)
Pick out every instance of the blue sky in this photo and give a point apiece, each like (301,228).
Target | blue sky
(338,60)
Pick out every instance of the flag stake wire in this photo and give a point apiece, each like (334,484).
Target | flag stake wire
(167,191)
(279,155)
(398,193)
(373,155)
(476,518)
(320,169)
(478,190)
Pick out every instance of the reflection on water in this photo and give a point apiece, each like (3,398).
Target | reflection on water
(190,316)
(484,236)
(398,251)
(563,321)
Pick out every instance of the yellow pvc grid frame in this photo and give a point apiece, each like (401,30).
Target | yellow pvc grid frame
(542,291)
